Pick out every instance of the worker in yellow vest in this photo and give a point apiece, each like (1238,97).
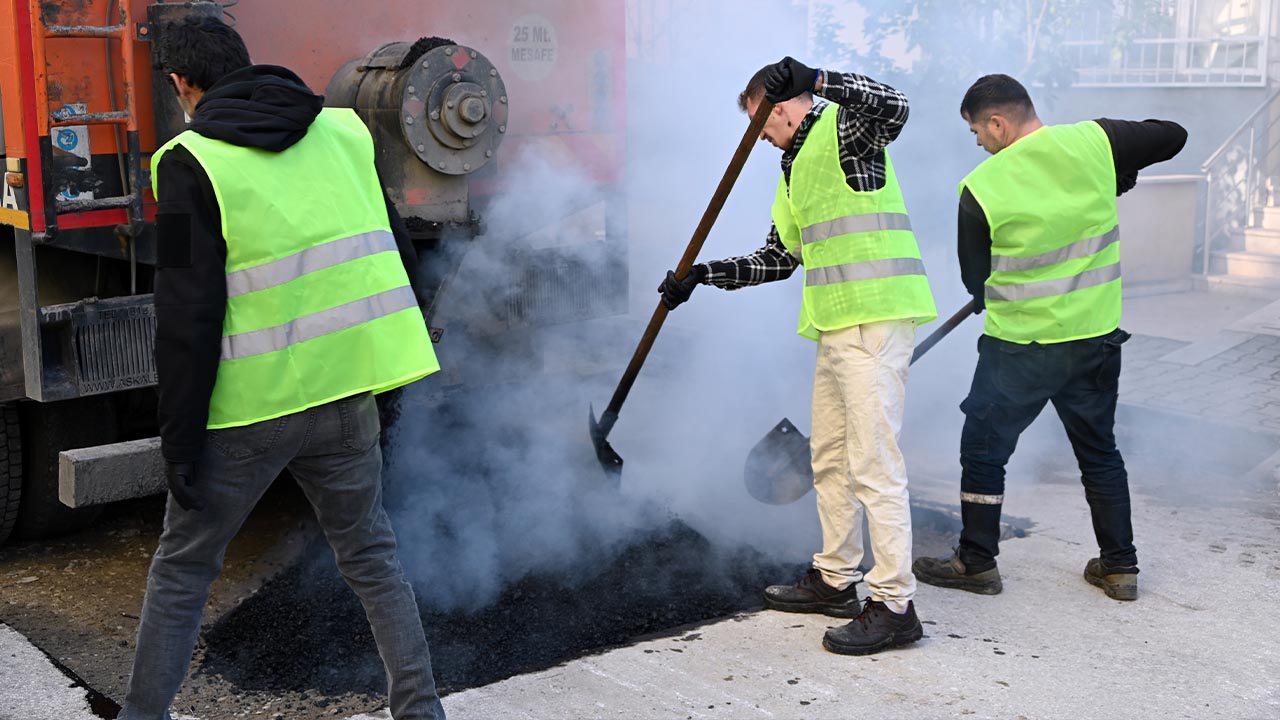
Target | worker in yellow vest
(284,302)
(1039,242)
(839,212)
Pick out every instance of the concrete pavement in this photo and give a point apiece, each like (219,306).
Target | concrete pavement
(32,688)
(1210,356)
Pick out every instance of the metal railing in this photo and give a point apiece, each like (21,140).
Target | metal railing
(1226,61)
(1241,177)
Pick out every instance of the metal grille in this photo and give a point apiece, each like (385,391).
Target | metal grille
(115,350)
(555,287)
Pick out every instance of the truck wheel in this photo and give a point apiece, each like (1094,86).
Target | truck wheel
(50,428)
(10,468)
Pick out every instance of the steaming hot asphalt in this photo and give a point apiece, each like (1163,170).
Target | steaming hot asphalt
(306,631)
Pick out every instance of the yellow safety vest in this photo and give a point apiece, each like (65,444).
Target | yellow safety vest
(861,261)
(319,306)
(1050,199)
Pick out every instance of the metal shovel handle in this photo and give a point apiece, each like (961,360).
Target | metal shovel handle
(942,330)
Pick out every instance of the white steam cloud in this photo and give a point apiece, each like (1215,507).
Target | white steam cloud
(494,481)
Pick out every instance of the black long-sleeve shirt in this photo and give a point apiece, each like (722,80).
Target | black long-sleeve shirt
(1134,146)
(191,299)
(869,116)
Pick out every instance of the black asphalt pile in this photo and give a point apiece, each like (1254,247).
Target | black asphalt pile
(305,630)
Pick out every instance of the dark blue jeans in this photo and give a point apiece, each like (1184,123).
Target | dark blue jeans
(1011,385)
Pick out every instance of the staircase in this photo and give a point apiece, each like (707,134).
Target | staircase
(1241,248)
(1252,266)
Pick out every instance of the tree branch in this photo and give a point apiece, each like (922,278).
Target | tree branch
(1033,32)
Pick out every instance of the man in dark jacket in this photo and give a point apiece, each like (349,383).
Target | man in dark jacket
(1039,243)
(283,303)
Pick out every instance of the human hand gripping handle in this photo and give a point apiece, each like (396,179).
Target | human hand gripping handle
(676,291)
(788,78)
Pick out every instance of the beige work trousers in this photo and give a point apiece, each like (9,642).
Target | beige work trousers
(859,395)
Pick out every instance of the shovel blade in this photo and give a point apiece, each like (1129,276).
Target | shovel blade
(609,459)
(779,470)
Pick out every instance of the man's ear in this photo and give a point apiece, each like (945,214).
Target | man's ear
(181,84)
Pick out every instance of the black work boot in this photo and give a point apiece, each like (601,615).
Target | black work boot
(950,572)
(1117,583)
(874,629)
(811,594)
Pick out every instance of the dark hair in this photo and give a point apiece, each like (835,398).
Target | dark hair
(754,90)
(993,93)
(202,50)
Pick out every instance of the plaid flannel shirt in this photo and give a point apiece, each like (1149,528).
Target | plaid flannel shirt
(869,116)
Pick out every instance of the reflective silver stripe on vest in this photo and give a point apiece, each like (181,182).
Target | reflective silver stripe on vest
(310,327)
(866,270)
(1057,286)
(318,257)
(1076,250)
(871,222)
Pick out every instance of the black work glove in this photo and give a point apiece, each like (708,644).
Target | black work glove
(182,485)
(676,291)
(787,79)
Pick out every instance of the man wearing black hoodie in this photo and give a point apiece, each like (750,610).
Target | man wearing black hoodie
(284,301)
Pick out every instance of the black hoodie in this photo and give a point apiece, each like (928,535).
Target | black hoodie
(261,106)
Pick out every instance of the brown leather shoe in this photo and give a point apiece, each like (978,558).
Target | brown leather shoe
(811,594)
(1117,585)
(950,572)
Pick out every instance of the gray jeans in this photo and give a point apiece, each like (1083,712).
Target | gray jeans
(332,451)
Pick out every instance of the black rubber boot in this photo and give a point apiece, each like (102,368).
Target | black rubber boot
(876,628)
(811,594)
(1118,584)
(950,572)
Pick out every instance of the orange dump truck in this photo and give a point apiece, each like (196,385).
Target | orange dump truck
(457,97)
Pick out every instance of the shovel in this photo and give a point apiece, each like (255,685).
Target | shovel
(779,469)
(608,457)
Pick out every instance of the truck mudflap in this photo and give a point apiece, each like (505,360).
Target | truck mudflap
(107,473)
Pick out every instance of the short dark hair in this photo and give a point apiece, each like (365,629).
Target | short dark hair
(754,90)
(992,93)
(201,49)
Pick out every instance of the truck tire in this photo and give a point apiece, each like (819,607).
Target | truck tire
(48,429)
(10,468)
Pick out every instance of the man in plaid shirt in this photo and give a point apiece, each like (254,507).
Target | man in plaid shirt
(839,212)
(869,116)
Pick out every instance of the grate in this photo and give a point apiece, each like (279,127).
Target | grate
(114,349)
(554,286)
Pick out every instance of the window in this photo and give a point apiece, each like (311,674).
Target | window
(1173,43)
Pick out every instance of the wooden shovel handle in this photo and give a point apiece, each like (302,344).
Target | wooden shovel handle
(691,253)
